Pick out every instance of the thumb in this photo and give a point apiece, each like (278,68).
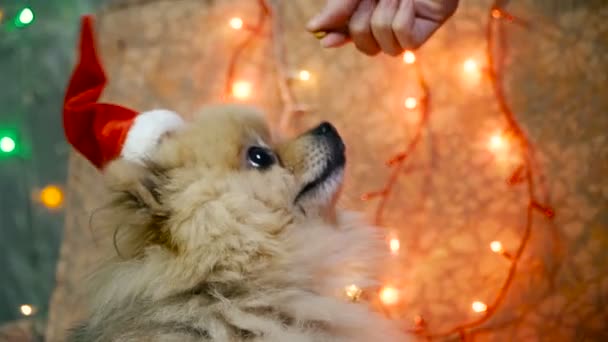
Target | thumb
(334,39)
(335,15)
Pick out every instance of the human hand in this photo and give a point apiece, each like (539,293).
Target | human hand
(390,26)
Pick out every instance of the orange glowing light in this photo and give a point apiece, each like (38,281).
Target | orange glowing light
(496,142)
(241,90)
(470,65)
(389,295)
(410,103)
(236,23)
(496,13)
(409,57)
(478,306)
(496,247)
(51,196)
(304,75)
(394,245)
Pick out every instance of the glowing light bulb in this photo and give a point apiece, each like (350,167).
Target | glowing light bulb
(410,103)
(496,247)
(394,245)
(236,23)
(26,309)
(496,142)
(471,73)
(7,144)
(470,65)
(353,292)
(409,57)
(25,17)
(496,13)
(51,196)
(241,90)
(478,306)
(304,75)
(389,295)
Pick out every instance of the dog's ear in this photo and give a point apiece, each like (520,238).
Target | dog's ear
(137,185)
(138,215)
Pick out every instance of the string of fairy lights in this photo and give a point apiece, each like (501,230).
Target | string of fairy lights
(12,145)
(241,89)
(498,143)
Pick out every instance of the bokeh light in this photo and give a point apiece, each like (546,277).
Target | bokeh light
(478,306)
(304,75)
(51,196)
(394,245)
(7,144)
(241,90)
(409,57)
(496,143)
(410,103)
(236,23)
(389,295)
(25,17)
(496,247)
(26,310)
(470,65)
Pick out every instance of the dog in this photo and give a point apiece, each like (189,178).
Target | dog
(222,234)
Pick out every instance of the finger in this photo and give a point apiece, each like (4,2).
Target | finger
(360,29)
(403,24)
(422,30)
(334,39)
(335,15)
(382,26)
(437,11)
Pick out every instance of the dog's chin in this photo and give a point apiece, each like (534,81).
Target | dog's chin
(320,195)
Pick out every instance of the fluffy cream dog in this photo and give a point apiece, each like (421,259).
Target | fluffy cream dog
(223,235)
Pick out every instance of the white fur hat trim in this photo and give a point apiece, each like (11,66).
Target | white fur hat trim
(147,130)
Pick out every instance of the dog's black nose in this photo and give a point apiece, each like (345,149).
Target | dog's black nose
(328,131)
(325,129)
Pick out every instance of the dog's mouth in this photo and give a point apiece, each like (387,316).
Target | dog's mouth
(330,175)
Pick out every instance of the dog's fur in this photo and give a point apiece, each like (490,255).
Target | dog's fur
(211,249)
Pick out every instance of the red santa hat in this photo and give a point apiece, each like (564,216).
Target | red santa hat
(103,132)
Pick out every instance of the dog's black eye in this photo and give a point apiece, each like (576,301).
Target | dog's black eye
(260,157)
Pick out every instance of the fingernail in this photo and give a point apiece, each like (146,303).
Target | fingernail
(332,40)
